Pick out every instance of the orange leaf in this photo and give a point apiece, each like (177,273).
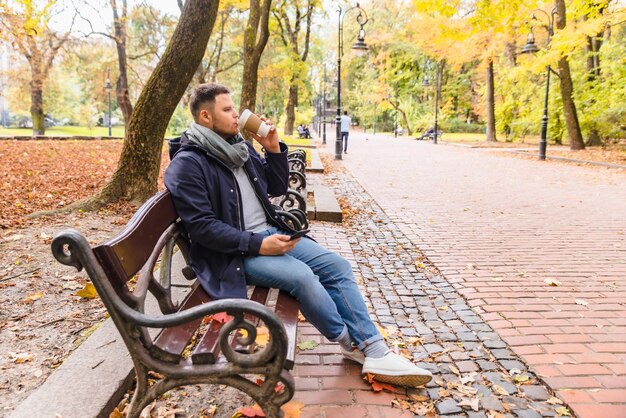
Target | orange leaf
(378,386)
(253,411)
(292,409)
(221,317)
(279,386)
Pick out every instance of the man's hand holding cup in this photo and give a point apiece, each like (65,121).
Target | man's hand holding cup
(260,129)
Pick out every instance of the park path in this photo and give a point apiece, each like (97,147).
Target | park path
(499,227)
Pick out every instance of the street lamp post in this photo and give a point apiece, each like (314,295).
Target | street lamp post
(531,48)
(374,117)
(426,83)
(324,108)
(108,87)
(395,117)
(437,88)
(360,48)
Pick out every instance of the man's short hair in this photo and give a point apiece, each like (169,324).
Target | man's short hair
(205,93)
(345,112)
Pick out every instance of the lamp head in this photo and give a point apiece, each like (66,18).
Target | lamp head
(360,48)
(425,81)
(531,46)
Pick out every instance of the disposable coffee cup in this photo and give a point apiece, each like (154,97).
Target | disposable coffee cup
(252,123)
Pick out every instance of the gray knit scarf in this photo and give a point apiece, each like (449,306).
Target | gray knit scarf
(232,151)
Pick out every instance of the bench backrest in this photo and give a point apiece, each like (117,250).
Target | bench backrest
(123,256)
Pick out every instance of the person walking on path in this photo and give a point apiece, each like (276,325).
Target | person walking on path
(219,185)
(346,122)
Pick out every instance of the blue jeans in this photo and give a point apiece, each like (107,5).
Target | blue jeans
(344,138)
(323,283)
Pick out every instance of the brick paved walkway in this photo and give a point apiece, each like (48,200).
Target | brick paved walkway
(410,300)
(498,227)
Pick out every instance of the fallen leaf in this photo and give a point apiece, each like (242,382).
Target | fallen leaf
(472,403)
(253,411)
(262,336)
(562,411)
(292,409)
(301,317)
(521,378)
(116,414)
(87,292)
(14,237)
(419,264)
(382,331)
(444,393)
(419,398)
(402,404)
(424,410)
(210,413)
(32,298)
(278,388)
(221,317)
(20,358)
(552,282)
(378,386)
(554,401)
(307,345)
(414,340)
(164,412)
(499,390)
(581,302)
(454,370)
(494,414)
(469,378)
(466,390)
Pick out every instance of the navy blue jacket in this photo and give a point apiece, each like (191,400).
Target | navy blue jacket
(207,199)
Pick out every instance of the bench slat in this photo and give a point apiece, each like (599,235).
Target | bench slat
(174,339)
(287,308)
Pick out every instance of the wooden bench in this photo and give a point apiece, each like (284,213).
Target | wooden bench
(191,346)
(430,135)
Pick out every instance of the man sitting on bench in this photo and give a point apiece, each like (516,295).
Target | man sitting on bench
(219,185)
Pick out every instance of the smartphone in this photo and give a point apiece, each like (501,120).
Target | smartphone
(300,234)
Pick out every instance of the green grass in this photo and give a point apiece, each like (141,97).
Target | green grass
(462,137)
(293,141)
(116,131)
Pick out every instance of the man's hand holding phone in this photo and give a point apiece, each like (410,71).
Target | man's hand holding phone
(299,234)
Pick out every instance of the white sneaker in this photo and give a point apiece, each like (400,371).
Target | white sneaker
(396,370)
(355,355)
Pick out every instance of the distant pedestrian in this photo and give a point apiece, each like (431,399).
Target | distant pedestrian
(346,122)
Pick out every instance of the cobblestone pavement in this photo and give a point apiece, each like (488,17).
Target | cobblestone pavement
(501,230)
(476,374)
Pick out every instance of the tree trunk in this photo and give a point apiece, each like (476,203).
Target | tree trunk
(121,87)
(292,102)
(36,104)
(567,89)
(409,131)
(138,168)
(256,35)
(491,105)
